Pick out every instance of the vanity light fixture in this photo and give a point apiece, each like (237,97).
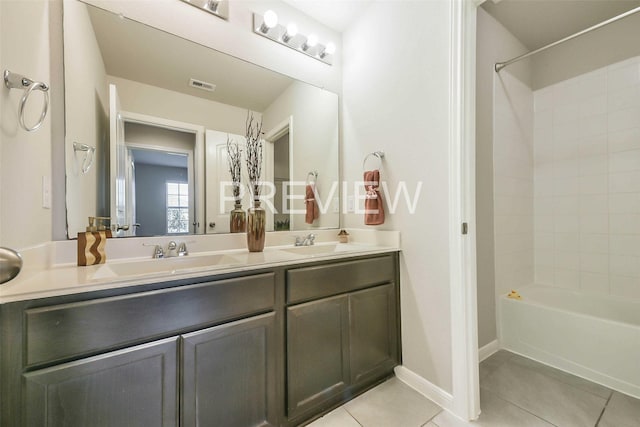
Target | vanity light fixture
(330,49)
(270,21)
(292,31)
(311,41)
(219,8)
(211,5)
(267,26)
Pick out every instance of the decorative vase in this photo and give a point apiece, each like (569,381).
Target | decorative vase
(237,219)
(256,223)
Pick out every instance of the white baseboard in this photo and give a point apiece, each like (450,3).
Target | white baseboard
(488,350)
(424,387)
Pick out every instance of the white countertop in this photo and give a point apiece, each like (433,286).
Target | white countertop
(48,279)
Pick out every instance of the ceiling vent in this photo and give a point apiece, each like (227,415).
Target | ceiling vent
(199,84)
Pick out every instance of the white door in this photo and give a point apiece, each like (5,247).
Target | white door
(218,179)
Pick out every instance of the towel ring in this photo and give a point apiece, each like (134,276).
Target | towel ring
(16,81)
(378,154)
(313,174)
(89,157)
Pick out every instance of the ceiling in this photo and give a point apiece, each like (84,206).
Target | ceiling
(537,23)
(160,158)
(335,14)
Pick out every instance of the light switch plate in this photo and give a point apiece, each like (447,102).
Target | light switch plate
(351,204)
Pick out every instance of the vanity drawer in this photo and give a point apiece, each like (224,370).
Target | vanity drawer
(304,284)
(72,330)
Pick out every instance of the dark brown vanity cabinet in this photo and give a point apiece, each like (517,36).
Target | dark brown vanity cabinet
(336,345)
(318,353)
(132,387)
(229,375)
(274,347)
(200,354)
(227,379)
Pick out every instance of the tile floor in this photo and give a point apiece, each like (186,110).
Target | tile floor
(514,392)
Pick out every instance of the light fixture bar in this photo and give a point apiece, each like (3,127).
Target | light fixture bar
(289,36)
(219,8)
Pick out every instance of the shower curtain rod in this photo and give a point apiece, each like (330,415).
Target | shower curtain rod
(500,65)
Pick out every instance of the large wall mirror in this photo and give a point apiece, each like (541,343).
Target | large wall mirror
(148,117)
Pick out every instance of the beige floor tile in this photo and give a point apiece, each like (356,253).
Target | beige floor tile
(548,398)
(622,411)
(336,418)
(493,362)
(392,404)
(496,412)
(562,376)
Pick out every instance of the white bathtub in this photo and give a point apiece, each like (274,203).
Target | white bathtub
(596,337)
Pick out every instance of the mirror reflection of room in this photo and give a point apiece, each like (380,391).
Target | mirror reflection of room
(281,220)
(162,162)
(178,86)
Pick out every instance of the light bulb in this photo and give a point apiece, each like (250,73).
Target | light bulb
(269,20)
(330,49)
(212,5)
(312,40)
(292,30)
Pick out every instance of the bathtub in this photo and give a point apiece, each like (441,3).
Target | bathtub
(593,336)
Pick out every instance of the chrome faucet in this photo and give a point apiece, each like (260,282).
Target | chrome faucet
(158,252)
(182,249)
(174,249)
(306,241)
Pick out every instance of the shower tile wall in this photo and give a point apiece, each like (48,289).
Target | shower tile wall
(513,183)
(587,181)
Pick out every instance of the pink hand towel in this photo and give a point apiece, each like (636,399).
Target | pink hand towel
(373,204)
(312,211)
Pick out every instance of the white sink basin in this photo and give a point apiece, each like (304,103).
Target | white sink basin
(170,265)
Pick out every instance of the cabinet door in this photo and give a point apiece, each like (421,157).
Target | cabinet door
(373,332)
(132,387)
(229,374)
(317,353)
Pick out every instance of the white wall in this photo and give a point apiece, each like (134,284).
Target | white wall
(87,107)
(494,43)
(610,44)
(314,139)
(141,98)
(587,171)
(2,37)
(235,36)
(395,98)
(25,156)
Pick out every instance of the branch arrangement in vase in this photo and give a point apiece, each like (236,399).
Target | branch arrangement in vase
(234,155)
(254,154)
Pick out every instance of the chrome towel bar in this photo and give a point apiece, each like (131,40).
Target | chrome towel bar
(377,154)
(17,81)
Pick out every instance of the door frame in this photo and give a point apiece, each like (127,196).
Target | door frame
(462,247)
(271,136)
(198,158)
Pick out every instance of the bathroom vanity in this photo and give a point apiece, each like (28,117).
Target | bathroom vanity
(278,345)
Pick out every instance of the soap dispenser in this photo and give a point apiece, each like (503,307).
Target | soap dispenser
(91,244)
